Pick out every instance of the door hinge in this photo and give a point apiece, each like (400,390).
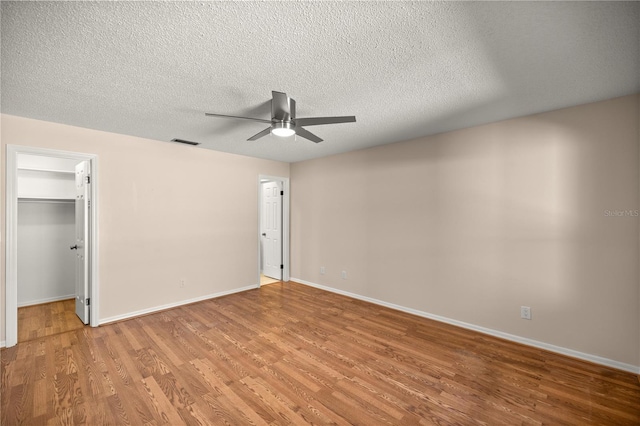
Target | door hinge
(88,301)
(87,179)
(281,266)
(281,192)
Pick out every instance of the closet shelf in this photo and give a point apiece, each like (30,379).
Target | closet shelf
(34,169)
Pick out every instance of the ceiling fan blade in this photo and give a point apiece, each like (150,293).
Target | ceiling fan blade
(265,132)
(283,108)
(307,135)
(209,114)
(314,121)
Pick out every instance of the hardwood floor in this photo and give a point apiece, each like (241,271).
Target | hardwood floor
(47,319)
(290,354)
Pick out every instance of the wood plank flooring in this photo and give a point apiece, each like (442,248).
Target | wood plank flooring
(290,354)
(47,319)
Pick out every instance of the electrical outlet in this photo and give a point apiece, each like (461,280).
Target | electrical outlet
(323,270)
(182,283)
(344,275)
(525,312)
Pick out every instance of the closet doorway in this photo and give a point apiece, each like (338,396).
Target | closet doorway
(51,232)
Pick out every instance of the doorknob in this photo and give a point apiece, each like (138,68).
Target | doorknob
(264,234)
(74,247)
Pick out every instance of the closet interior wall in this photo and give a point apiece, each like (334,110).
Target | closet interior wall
(46,229)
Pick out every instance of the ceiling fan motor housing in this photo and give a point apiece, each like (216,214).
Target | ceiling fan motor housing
(283,108)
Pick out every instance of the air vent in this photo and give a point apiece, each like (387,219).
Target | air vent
(185,142)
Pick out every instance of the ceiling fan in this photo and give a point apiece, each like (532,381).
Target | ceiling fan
(284,122)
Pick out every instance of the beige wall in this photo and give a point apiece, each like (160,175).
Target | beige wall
(167,212)
(472,224)
(468,225)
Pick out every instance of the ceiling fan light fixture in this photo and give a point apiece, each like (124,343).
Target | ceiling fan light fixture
(283,129)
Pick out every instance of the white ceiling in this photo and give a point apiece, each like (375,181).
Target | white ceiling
(404,69)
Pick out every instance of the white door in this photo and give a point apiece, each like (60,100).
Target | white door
(83,204)
(272,230)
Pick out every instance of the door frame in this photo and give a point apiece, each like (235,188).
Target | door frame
(11,233)
(284,182)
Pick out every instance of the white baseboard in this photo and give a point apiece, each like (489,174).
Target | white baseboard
(3,344)
(523,340)
(46,300)
(173,305)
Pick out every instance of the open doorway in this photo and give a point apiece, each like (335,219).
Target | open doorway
(273,229)
(51,259)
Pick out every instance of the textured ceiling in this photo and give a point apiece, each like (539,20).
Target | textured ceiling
(404,69)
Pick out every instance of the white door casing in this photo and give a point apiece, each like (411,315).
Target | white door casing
(82,247)
(271,228)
